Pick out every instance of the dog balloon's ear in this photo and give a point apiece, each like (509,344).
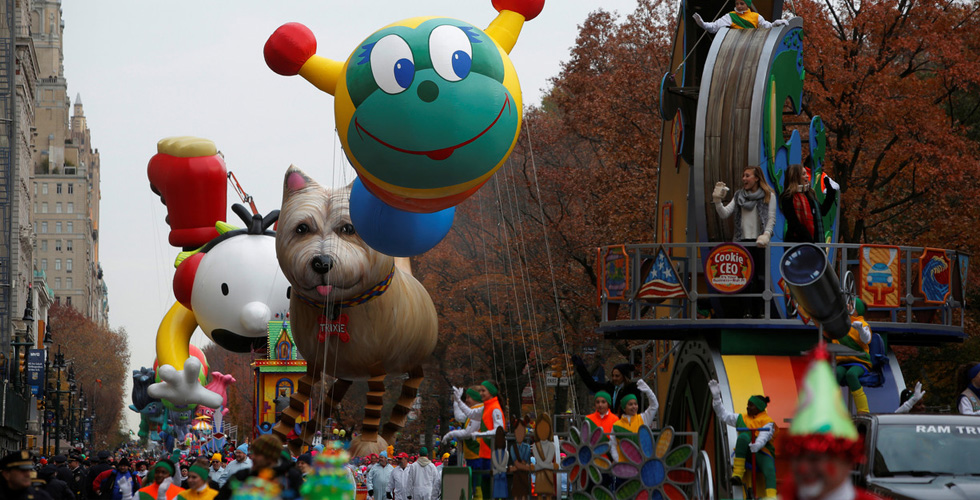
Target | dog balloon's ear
(296,180)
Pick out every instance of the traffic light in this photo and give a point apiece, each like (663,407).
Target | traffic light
(22,361)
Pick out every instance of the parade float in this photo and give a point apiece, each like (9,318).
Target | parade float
(726,104)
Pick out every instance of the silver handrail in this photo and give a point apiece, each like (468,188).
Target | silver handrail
(844,258)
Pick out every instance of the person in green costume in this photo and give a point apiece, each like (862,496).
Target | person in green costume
(743,17)
(755,418)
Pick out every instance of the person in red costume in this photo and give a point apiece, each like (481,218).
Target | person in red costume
(823,444)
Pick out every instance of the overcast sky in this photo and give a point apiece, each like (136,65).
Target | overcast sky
(149,70)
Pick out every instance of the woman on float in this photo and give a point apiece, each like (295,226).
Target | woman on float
(804,216)
(754,224)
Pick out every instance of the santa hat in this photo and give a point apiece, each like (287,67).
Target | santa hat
(821,424)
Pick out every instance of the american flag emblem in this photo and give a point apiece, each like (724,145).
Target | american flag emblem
(662,281)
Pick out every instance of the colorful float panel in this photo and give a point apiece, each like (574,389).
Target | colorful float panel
(729,268)
(662,281)
(615,263)
(880,278)
(934,275)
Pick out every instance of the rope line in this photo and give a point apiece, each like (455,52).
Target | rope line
(551,267)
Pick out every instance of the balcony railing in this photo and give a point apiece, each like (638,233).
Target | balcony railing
(911,291)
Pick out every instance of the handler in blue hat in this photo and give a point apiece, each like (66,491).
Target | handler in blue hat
(17,469)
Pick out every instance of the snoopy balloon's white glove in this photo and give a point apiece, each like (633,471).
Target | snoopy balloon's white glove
(697,19)
(719,192)
(715,389)
(182,387)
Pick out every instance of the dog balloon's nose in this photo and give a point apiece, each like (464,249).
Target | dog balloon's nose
(322,264)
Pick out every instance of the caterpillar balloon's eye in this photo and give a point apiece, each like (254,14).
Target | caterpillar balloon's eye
(392,64)
(224,289)
(302,229)
(451,52)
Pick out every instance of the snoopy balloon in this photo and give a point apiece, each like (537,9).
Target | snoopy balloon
(427,108)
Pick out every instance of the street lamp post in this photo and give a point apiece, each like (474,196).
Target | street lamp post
(71,403)
(80,418)
(48,341)
(25,342)
(59,364)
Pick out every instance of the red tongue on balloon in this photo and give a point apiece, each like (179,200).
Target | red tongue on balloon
(324,289)
(440,154)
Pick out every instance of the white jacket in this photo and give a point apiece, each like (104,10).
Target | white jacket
(423,479)
(232,468)
(398,484)
(377,479)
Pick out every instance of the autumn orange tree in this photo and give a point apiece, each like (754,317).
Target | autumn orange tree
(100,357)
(887,78)
(895,83)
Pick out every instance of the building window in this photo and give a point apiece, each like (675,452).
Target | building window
(57,188)
(35,189)
(57,300)
(68,283)
(57,245)
(44,188)
(44,264)
(57,265)
(71,189)
(57,208)
(68,300)
(57,227)
(71,206)
(68,245)
(57,283)
(44,207)
(35,207)
(44,226)
(71,227)
(44,245)
(68,265)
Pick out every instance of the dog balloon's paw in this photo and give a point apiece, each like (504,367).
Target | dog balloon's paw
(182,387)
